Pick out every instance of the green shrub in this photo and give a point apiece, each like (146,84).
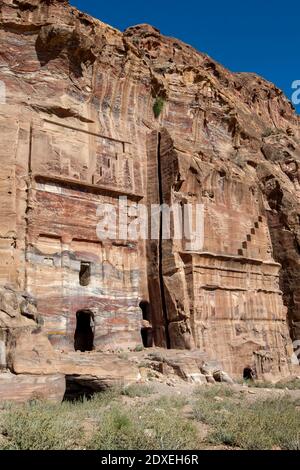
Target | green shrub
(211,391)
(274,131)
(38,427)
(173,402)
(103,422)
(138,390)
(158,106)
(104,398)
(44,426)
(293,384)
(259,384)
(260,425)
(268,132)
(109,422)
(144,429)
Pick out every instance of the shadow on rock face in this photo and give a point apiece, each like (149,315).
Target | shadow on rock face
(62,40)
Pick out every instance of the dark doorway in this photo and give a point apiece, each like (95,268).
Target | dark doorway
(249,373)
(146,330)
(84,334)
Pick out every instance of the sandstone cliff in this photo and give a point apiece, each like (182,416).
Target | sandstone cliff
(92,114)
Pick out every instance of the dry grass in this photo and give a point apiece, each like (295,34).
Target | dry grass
(293,384)
(134,418)
(115,425)
(259,425)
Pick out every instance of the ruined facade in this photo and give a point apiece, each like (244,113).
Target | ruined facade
(78,130)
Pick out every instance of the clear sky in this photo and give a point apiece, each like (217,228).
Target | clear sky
(261,36)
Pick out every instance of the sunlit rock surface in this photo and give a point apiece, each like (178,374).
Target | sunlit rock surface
(78,130)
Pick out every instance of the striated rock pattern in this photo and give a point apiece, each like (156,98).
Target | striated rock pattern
(92,114)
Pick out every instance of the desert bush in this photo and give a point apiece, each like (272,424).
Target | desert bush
(268,132)
(158,106)
(104,398)
(174,402)
(106,422)
(124,428)
(39,427)
(293,384)
(138,390)
(264,424)
(258,384)
(103,422)
(44,426)
(211,391)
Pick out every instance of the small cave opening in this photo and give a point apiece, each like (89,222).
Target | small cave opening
(85,273)
(248,373)
(146,330)
(80,388)
(84,333)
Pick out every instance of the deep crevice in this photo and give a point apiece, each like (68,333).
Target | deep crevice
(160,247)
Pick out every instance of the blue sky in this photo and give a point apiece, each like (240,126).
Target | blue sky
(258,36)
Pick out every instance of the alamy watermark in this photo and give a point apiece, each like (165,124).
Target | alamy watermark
(137,221)
(296,94)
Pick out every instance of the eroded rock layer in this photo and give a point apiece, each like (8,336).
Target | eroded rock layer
(92,114)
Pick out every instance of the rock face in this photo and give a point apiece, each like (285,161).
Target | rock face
(92,114)
(23,388)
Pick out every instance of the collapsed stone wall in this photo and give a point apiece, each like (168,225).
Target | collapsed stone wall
(91,114)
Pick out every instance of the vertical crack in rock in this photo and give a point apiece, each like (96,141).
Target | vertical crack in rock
(27,210)
(154,244)
(160,242)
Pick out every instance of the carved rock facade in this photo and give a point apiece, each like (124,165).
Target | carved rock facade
(78,130)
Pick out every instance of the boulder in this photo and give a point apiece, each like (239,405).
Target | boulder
(221,376)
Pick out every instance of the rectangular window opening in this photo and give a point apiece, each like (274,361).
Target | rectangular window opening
(85,273)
